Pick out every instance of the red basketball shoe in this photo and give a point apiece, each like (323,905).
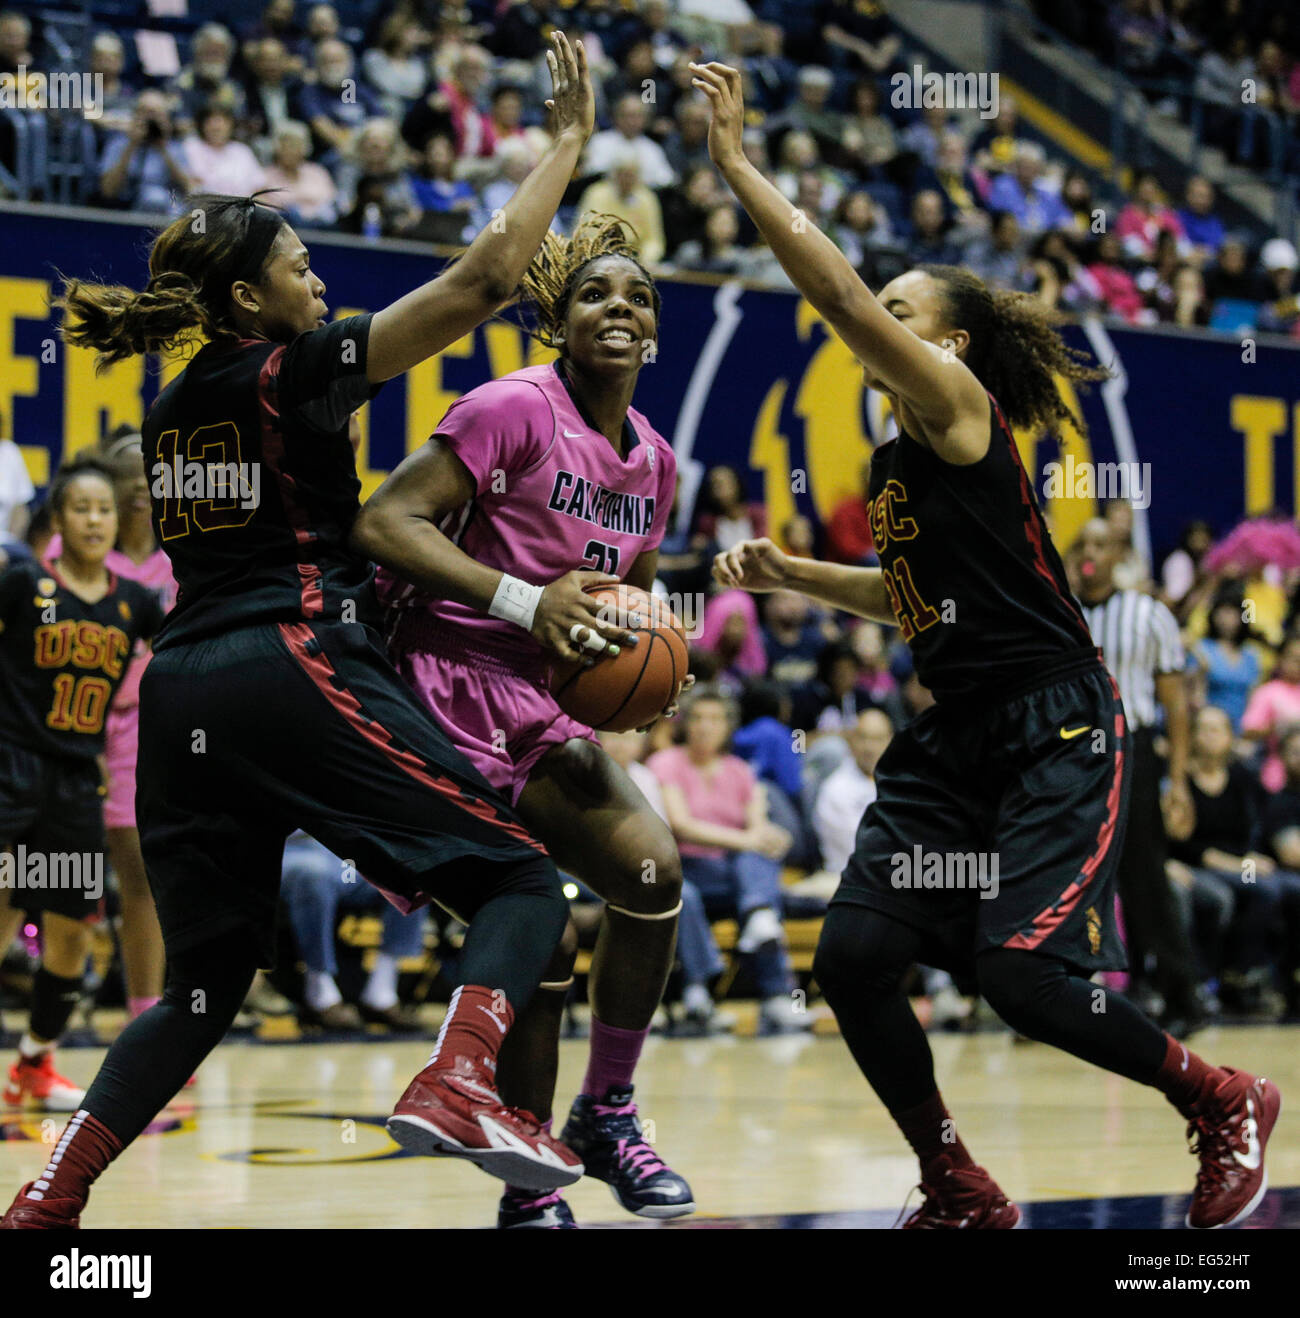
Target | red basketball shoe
(456,1112)
(961,1198)
(41,1214)
(1229,1136)
(34,1083)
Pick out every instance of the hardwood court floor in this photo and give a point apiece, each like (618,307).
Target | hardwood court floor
(285,1135)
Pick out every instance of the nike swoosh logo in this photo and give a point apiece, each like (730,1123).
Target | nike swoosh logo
(1068,734)
(573,434)
(493,1017)
(1186,1059)
(1253,1156)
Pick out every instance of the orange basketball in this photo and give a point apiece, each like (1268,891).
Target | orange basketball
(636,686)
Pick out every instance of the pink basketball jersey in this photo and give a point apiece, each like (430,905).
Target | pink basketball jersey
(551,495)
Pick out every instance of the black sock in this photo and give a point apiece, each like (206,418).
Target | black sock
(54,999)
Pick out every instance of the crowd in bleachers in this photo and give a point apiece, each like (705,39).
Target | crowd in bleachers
(420,124)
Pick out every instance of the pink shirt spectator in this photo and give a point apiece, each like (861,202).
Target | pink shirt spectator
(473,130)
(1138,230)
(231,169)
(311,191)
(1272,708)
(1118,291)
(719,795)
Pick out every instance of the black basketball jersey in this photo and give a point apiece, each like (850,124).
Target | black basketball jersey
(62,659)
(976,585)
(254,485)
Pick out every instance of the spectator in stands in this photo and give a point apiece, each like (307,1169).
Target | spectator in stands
(117,97)
(846,793)
(373,175)
(1119,293)
(994,148)
(515,159)
(810,111)
(1022,192)
(731,635)
(271,94)
(716,252)
(336,104)
(216,161)
(687,146)
(861,36)
(506,114)
(434,184)
(1222,74)
(722,516)
(641,77)
(772,74)
(16,492)
(1272,709)
(1230,277)
(848,533)
(868,139)
(928,241)
(1137,32)
(1228,666)
(730,850)
(206,80)
(522,32)
(1280,840)
(766,742)
(1190,307)
(396,68)
(144,168)
(1222,845)
(622,192)
(833,700)
(1132,571)
(697,950)
(797,537)
(315,883)
(16,42)
(1145,218)
(1060,279)
(1155,281)
(1280,313)
(656,27)
(922,136)
(1202,228)
(954,180)
(793,638)
(1076,193)
(305,191)
(686,210)
(810,198)
(1001,260)
(859,226)
(867,640)
(799,155)
(628,134)
(322,25)
(1181,570)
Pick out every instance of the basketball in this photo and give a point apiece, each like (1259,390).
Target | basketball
(637,685)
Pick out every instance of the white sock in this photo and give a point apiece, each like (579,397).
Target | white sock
(697,1000)
(321,991)
(380,992)
(32,1048)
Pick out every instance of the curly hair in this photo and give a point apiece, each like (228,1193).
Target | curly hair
(549,282)
(1015,351)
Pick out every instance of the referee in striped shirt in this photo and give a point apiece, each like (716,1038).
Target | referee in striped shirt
(1140,643)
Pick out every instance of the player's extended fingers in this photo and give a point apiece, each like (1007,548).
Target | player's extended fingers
(588,639)
(581,52)
(567,60)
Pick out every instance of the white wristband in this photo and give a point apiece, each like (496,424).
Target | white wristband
(516,601)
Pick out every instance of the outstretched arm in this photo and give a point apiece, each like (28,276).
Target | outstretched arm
(935,385)
(425,321)
(759,566)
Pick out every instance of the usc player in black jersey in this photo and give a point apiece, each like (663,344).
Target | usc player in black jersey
(67,631)
(270,705)
(991,848)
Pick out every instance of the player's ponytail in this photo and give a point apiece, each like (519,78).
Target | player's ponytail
(1015,351)
(550,279)
(192,265)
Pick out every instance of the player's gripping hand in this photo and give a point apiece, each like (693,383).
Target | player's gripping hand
(671,711)
(565,606)
(754,565)
(572,102)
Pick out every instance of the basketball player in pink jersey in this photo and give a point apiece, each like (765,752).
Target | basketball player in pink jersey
(550,473)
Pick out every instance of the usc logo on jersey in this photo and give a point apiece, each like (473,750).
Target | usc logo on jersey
(887,523)
(81,645)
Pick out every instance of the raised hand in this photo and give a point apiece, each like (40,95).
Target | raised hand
(753,565)
(722,85)
(573,103)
